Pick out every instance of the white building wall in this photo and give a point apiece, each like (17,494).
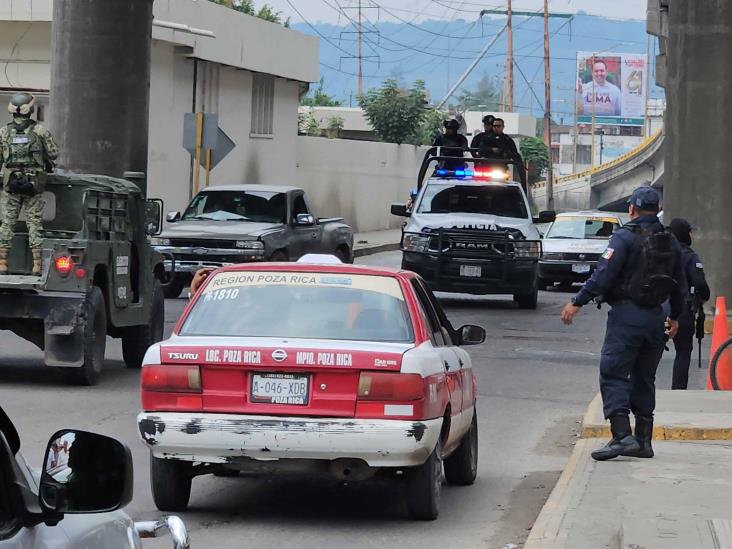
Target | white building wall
(28,44)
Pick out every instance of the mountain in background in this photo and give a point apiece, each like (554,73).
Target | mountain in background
(438,52)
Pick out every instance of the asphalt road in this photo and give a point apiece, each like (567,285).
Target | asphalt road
(535,376)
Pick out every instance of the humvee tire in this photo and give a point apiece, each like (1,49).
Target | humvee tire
(137,339)
(95,342)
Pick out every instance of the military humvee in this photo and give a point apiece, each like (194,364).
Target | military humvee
(100,276)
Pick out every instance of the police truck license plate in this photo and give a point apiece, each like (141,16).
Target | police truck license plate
(470,270)
(580,268)
(280,389)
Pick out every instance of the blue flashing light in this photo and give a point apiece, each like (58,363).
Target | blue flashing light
(442,172)
(459,173)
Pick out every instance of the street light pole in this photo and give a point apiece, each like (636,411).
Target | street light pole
(547,112)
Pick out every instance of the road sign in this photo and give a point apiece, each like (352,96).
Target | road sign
(210,133)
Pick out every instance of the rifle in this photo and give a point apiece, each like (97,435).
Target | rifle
(699,325)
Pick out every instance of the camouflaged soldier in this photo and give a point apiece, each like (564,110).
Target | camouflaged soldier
(27,151)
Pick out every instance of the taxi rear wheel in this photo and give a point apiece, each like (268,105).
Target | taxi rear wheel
(170,480)
(424,487)
(461,467)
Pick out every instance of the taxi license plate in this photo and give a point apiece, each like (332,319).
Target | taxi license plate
(580,268)
(280,389)
(470,270)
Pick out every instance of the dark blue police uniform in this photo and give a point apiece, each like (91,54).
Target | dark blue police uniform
(698,294)
(635,335)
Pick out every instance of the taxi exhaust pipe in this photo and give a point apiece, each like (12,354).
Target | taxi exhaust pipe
(351,469)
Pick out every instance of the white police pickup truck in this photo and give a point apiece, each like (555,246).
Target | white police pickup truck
(471,231)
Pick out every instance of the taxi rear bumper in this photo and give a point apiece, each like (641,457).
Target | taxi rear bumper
(222,438)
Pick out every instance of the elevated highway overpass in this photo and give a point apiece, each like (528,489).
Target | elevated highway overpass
(608,186)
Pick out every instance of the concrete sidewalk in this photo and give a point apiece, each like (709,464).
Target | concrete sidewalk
(680,499)
(376,242)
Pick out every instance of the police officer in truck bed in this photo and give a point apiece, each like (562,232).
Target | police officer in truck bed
(640,269)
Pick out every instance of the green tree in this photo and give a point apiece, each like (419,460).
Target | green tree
(266,12)
(396,115)
(536,156)
(485,93)
(429,128)
(319,98)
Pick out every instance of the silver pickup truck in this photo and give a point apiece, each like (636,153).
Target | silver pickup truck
(240,223)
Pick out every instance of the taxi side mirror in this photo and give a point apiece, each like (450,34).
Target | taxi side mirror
(400,210)
(85,473)
(471,335)
(546,216)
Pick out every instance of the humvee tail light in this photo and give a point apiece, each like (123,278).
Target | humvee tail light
(63,265)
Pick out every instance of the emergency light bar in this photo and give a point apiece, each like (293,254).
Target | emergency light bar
(496,175)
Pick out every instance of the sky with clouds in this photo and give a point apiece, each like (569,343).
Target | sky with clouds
(419,10)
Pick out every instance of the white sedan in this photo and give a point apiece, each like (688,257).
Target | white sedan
(573,244)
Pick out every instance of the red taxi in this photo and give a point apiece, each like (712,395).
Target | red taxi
(338,369)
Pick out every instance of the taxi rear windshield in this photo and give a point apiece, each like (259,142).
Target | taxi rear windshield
(301,305)
(583,227)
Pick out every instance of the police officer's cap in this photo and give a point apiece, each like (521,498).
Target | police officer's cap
(21,103)
(488,119)
(645,198)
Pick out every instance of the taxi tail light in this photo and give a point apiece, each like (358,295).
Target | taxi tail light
(389,386)
(63,265)
(171,379)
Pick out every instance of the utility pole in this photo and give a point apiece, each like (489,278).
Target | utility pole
(360,52)
(509,56)
(547,112)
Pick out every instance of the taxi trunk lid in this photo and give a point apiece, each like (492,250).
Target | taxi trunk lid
(294,377)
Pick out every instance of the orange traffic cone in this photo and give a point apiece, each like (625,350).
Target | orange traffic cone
(719,376)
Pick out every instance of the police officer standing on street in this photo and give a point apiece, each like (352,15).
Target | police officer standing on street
(695,299)
(640,269)
(27,151)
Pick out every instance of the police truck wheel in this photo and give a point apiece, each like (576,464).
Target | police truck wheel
(344,255)
(170,480)
(280,256)
(527,301)
(173,288)
(461,467)
(424,487)
(95,342)
(137,339)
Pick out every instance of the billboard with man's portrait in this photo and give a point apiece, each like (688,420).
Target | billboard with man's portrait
(611,87)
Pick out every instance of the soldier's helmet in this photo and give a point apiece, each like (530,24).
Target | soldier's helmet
(22,104)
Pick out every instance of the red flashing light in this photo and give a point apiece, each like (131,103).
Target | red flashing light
(63,265)
(80,272)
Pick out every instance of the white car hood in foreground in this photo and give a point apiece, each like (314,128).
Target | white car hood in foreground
(574,245)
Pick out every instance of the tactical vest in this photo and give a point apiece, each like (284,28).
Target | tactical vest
(22,147)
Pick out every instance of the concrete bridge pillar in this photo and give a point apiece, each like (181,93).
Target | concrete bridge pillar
(699,130)
(100,84)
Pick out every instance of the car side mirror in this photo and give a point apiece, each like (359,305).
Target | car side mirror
(471,335)
(305,220)
(85,473)
(172,217)
(400,210)
(546,216)
(153,216)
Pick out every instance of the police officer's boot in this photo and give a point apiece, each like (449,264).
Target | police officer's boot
(37,256)
(4,260)
(643,434)
(622,442)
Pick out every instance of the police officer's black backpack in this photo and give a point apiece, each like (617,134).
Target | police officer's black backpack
(654,251)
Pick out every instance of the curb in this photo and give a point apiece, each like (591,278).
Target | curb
(551,528)
(679,431)
(375,249)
